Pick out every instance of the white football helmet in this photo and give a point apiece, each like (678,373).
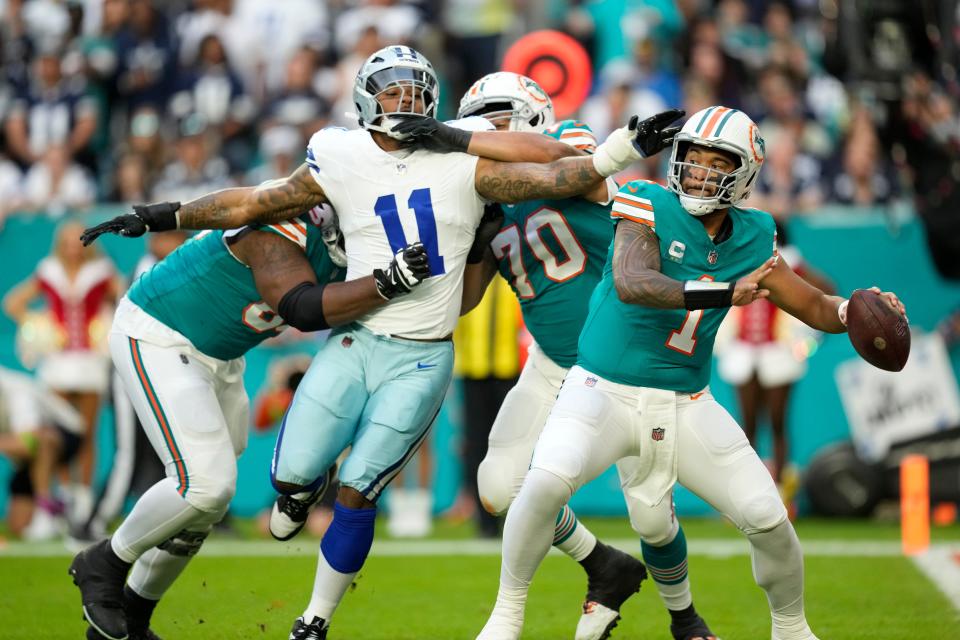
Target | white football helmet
(501,95)
(395,65)
(724,129)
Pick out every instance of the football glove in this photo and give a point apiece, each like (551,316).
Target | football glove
(408,268)
(429,133)
(637,140)
(489,226)
(145,217)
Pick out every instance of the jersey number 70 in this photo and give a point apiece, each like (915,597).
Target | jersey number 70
(507,245)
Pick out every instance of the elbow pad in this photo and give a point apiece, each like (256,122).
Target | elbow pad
(302,307)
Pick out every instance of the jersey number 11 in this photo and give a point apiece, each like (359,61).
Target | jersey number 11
(422,205)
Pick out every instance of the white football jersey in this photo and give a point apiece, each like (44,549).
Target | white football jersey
(386,201)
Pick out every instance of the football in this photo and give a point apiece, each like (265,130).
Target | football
(879,333)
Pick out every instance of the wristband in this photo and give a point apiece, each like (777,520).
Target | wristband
(702,294)
(842,312)
(162,216)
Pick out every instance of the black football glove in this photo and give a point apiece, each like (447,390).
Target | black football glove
(145,217)
(429,133)
(488,228)
(653,135)
(407,269)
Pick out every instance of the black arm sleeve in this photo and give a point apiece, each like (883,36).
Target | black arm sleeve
(302,307)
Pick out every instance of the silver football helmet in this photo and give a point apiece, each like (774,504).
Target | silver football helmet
(394,66)
(502,95)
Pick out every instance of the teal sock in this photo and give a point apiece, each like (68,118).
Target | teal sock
(667,565)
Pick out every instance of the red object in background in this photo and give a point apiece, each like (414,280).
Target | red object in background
(271,407)
(558,63)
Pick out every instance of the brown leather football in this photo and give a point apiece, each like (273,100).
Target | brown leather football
(879,333)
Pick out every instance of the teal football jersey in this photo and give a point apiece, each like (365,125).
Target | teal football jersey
(552,253)
(203,292)
(669,348)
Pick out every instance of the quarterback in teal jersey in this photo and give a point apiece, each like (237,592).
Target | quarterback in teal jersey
(178,341)
(552,253)
(639,394)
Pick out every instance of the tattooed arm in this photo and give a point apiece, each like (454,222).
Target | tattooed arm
(272,201)
(520,181)
(279,267)
(636,269)
(638,280)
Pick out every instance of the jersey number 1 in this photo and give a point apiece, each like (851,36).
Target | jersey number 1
(683,339)
(422,205)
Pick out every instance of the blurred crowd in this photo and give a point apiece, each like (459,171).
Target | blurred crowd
(135,100)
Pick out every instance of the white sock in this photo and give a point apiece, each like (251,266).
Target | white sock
(154,572)
(778,569)
(329,585)
(527,536)
(159,514)
(571,537)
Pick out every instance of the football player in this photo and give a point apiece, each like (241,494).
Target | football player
(682,255)
(377,384)
(552,253)
(178,340)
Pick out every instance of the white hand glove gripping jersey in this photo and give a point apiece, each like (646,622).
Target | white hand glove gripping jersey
(639,139)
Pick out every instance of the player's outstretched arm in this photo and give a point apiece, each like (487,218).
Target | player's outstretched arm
(638,280)
(519,146)
(568,177)
(287,282)
(272,201)
(809,304)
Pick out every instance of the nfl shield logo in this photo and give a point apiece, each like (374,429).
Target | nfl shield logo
(590,382)
(712,257)
(657,433)
(346,342)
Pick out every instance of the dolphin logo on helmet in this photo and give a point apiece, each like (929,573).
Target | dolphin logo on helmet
(393,66)
(723,129)
(502,95)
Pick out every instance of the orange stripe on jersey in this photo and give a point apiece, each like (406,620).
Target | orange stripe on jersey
(299,226)
(286,232)
(634,203)
(713,121)
(620,214)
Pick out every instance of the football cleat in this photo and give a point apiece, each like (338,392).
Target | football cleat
(100,576)
(134,635)
(289,513)
(315,630)
(597,621)
(693,629)
(608,587)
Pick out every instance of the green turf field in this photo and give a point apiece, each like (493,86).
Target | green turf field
(849,596)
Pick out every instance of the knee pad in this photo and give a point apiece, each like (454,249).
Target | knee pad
(347,541)
(756,501)
(654,526)
(185,543)
(211,495)
(494,484)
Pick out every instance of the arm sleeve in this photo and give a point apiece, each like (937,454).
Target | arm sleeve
(302,307)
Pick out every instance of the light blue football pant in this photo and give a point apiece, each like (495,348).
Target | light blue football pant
(376,394)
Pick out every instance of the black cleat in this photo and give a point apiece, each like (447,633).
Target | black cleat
(694,628)
(612,577)
(100,574)
(313,631)
(134,635)
(289,514)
